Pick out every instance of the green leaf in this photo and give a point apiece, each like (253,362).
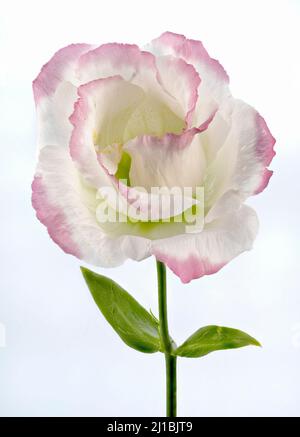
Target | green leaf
(213,338)
(137,328)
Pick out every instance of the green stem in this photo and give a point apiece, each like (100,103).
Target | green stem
(166,340)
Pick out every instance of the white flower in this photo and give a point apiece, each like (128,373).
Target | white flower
(161,117)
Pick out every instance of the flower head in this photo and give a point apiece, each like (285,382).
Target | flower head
(146,152)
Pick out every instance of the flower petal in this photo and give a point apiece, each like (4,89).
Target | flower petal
(228,203)
(196,255)
(170,161)
(52,217)
(214,80)
(55,93)
(181,81)
(67,207)
(110,60)
(191,50)
(240,164)
(112,111)
(133,65)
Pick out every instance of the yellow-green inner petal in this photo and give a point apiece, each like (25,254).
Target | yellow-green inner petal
(124,168)
(148,117)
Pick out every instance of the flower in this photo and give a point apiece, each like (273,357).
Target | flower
(159,117)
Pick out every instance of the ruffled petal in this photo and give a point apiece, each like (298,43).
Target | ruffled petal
(133,65)
(67,207)
(181,81)
(214,80)
(55,92)
(99,119)
(171,161)
(112,111)
(193,256)
(158,205)
(241,163)
(111,60)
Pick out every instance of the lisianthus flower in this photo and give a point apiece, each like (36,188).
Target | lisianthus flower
(122,120)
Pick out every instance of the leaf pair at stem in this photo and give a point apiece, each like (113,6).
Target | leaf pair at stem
(139,329)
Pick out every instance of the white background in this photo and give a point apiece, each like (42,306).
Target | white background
(61,357)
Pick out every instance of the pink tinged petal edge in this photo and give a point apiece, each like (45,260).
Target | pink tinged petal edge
(190,50)
(81,145)
(80,114)
(194,84)
(78,119)
(190,268)
(53,72)
(264,180)
(116,59)
(118,55)
(53,218)
(265,151)
(190,77)
(265,145)
(171,140)
(226,239)
(128,61)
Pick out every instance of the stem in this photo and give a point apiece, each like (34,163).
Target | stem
(166,340)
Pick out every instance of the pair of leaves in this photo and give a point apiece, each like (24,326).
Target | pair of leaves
(140,330)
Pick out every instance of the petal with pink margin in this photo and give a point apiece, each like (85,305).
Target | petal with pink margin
(171,161)
(190,50)
(52,217)
(67,207)
(193,256)
(110,59)
(60,67)
(181,80)
(265,178)
(265,150)
(55,91)
(162,161)
(240,164)
(144,206)
(97,106)
(255,149)
(132,64)
(214,79)
(111,111)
